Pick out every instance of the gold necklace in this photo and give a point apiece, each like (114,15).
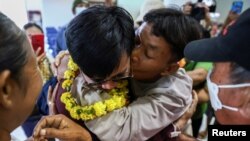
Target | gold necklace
(118,98)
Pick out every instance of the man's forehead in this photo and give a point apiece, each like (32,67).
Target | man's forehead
(221,70)
(221,65)
(142,28)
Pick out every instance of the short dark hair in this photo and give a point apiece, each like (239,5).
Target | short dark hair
(239,74)
(29,25)
(98,37)
(13,55)
(175,27)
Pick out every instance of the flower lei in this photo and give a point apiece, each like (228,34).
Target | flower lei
(118,97)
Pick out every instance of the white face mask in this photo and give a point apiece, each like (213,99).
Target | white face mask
(80,9)
(214,90)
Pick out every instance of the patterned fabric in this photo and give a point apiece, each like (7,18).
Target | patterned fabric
(60,107)
(160,94)
(163,135)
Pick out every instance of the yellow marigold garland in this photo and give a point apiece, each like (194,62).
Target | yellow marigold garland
(118,98)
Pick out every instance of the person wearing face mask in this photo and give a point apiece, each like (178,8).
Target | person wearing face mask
(41,109)
(229,81)
(79,6)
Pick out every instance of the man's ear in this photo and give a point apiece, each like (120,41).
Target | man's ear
(170,69)
(5,89)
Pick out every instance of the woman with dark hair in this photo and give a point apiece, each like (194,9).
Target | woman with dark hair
(20,79)
(32,29)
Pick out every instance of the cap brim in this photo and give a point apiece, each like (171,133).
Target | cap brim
(206,50)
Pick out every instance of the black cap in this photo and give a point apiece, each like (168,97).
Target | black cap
(232,45)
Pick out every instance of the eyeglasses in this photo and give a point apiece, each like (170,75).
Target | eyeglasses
(98,81)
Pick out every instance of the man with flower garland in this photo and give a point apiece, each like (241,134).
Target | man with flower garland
(103,60)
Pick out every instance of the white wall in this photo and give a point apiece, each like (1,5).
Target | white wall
(15,10)
(56,13)
(132,6)
(34,5)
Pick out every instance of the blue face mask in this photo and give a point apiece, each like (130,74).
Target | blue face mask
(213,90)
(79,10)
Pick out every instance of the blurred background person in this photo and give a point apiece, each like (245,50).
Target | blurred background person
(34,31)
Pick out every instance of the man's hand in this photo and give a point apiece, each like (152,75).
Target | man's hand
(60,127)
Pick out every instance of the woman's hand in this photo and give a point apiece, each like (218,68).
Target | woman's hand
(60,127)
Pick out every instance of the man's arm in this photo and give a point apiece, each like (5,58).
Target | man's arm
(198,75)
(146,116)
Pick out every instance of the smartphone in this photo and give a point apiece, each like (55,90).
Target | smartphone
(237,7)
(38,41)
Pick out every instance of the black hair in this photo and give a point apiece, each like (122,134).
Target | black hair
(175,27)
(13,55)
(29,25)
(98,37)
